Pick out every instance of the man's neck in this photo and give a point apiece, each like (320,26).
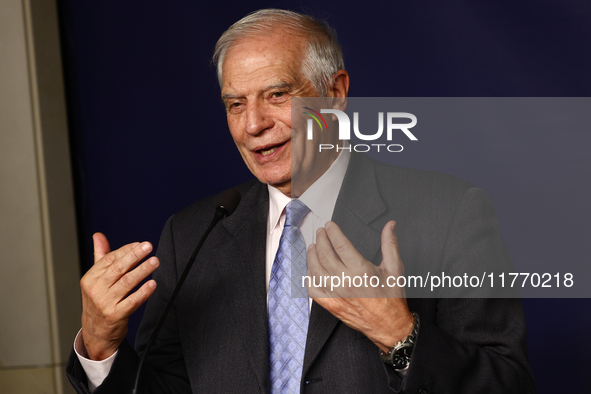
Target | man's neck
(321,196)
(297,186)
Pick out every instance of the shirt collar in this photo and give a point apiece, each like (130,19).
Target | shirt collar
(320,197)
(277,203)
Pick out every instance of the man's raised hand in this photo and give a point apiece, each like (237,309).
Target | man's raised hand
(106,299)
(377,310)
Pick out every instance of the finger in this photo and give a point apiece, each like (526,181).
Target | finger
(101,246)
(109,258)
(326,254)
(317,292)
(133,278)
(102,250)
(315,266)
(136,299)
(101,264)
(122,265)
(342,246)
(315,272)
(391,255)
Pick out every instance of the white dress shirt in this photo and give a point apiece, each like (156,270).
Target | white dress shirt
(320,197)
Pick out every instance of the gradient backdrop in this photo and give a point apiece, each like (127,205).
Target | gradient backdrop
(149,135)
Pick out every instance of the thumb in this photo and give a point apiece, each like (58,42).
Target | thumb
(391,260)
(101,246)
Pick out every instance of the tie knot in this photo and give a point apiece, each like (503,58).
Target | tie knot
(295,212)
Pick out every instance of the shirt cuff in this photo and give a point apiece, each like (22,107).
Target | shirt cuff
(96,371)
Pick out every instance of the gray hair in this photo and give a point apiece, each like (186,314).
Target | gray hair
(323,58)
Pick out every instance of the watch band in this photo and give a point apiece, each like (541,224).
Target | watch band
(399,354)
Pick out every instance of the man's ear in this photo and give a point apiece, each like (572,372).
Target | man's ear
(340,87)
(339,90)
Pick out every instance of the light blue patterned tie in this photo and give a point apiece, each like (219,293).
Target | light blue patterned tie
(288,311)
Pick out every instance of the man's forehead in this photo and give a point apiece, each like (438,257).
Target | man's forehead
(278,43)
(227,93)
(275,59)
(279,36)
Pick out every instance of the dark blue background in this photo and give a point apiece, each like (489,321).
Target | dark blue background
(149,135)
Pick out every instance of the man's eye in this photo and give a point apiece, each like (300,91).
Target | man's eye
(278,94)
(233,107)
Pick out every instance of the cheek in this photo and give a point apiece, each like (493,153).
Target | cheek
(298,146)
(235,132)
(286,118)
(302,154)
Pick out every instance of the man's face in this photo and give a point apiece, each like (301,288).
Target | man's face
(260,76)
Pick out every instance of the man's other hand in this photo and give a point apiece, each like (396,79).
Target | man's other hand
(106,299)
(380,312)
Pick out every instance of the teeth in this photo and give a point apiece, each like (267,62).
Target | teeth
(266,152)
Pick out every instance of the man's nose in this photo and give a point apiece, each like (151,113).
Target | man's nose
(258,118)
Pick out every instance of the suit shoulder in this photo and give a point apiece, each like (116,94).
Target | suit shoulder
(420,182)
(202,211)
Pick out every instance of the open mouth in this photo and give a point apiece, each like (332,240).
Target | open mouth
(266,152)
(269,150)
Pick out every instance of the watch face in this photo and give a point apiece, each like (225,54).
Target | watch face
(399,354)
(401,358)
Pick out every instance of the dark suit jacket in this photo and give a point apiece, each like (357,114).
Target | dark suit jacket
(215,339)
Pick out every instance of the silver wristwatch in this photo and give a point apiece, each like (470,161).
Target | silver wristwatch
(399,354)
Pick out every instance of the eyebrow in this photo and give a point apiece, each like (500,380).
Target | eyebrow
(280,85)
(228,96)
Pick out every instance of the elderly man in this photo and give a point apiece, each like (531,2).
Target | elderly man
(229,330)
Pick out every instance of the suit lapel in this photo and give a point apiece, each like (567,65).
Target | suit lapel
(358,205)
(245,257)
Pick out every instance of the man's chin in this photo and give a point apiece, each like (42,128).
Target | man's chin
(283,184)
(277,183)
